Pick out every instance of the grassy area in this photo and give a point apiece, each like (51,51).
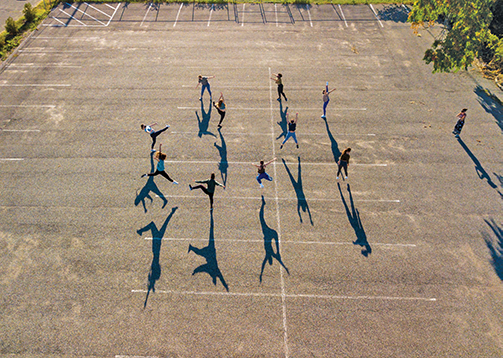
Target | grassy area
(20,28)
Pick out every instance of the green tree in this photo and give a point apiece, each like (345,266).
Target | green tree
(29,12)
(11,27)
(468,24)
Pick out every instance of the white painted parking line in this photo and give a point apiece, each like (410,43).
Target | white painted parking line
(375,14)
(266,109)
(211,12)
(276,14)
(328,243)
(74,18)
(243,19)
(285,199)
(303,134)
(144,17)
(34,85)
(309,14)
(33,65)
(288,163)
(11,159)
(259,294)
(19,130)
(28,105)
(342,13)
(178,14)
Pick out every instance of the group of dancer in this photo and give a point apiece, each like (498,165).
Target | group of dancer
(210,184)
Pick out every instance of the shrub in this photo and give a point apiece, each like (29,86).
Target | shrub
(29,12)
(11,27)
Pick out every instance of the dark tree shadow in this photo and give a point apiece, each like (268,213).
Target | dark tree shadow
(224,164)
(393,13)
(149,187)
(283,123)
(270,235)
(335,146)
(210,255)
(356,223)
(495,246)
(204,123)
(481,172)
(299,191)
(157,235)
(490,103)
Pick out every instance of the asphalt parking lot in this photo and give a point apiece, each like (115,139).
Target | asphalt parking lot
(402,259)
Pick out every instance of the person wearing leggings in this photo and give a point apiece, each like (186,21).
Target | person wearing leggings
(343,163)
(277,77)
(153,134)
(326,99)
(209,189)
(220,106)
(160,157)
(261,172)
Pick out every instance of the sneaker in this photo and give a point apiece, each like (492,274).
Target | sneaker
(143,175)
(281,146)
(200,98)
(346,178)
(190,187)
(297,146)
(279,99)
(324,117)
(336,177)
(261,185)
(153,150)
(286,99)
(175,182)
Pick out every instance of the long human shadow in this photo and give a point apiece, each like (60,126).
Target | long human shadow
(270,235)
(481,172)
(223,165)
(495,247)
(299,191)
(491,104)
(149,187)
(283,123)
(333,143)
(210,255)
(155,267)
(204,123)
(356,223)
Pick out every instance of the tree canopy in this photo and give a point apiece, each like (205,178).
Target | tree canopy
(468,35)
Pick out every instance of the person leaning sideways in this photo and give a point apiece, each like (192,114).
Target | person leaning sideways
(220,106)
(343,163)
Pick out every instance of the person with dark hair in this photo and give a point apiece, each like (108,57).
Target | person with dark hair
(261,172)
(277,77)
(460,123)
(292,126)
(220,106)
(343,163)
(203,80)
(153,134)
(209,189)
(160,157)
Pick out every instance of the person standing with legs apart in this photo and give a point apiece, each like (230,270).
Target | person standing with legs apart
(160,157)
(277,77)
(326,99)
(203,80)
(153,134)
(343,163)
(220,106)
(261,171)
(209,189)
(292,126)
(461,122)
